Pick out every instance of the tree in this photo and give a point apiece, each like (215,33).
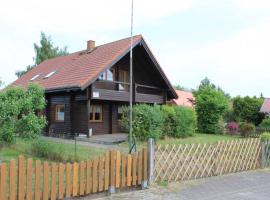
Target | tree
(247,109)
(211,104)
(19,110)
(44,51)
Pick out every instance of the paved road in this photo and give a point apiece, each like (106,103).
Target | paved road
(252,185)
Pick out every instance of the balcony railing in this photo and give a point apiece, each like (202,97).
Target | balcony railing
(119,91)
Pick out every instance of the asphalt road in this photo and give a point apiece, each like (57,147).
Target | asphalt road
(252,185)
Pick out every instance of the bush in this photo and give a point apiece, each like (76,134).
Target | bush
(156,121)
(211,105)
(185,122)
(147,121)
(246,129)
(265,123)
(248,109)
(232,127)
(17,113)
(265,136)
(45,149)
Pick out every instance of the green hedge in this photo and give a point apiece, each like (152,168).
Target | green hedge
(265,123)
(159,121)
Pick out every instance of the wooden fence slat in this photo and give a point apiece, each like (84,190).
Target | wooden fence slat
(129,166)
(68,180)
(124,171)
(61,181)
(145,164)
(82,174)
(37,180)
(112,168)
(75,180)
(100,174)
(45,181)
(3,181)
(12,180)
(140,163)
(94,177)
(88,176)
(107,167)
(53,181)
(117,169)
(29,174)
(21,174)
(134,169)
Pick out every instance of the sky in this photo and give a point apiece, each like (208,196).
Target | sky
(227,41)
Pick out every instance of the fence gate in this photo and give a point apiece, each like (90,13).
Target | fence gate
(192,161)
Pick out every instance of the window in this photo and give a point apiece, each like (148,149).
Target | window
(60,113)
(96,113)
(107,75)
(120,112)
(50,74)
(35,77)
(123,76)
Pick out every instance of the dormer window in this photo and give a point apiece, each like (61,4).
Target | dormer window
(35,77)
(108,75)
(50,74)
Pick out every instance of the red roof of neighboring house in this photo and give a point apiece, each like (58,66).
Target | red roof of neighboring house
(266,106)
(184,98)
(78,70)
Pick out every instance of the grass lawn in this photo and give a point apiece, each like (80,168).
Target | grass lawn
(24,148)
(83,152)
(197,138)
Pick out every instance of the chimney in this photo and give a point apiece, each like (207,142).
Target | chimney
(90,44)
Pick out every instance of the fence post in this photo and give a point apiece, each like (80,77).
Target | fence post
(263,154)
(151,153)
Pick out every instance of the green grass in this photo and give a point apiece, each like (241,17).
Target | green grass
(22,147)
(197,138)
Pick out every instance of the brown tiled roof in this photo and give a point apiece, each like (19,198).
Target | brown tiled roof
(266,106)
(184,98)
(77,70)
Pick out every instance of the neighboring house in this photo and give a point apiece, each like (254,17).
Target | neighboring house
(185,98)
(86,90)
(266,106)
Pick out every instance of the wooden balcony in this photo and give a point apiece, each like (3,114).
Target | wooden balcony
(119,91)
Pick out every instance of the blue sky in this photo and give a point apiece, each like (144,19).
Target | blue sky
(226,40)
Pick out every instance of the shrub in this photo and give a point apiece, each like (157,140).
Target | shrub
(265,123)
(156,121)
(147,121)
(211,105)
(246,129)
(169,120)
(45,149)
(185,121)
(248,109)
(265,136)
(232,127)
(17,113)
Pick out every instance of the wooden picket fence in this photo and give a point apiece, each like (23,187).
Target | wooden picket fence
(29,180)
(192,161)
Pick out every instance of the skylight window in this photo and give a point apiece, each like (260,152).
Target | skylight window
(35,77)
(50,74)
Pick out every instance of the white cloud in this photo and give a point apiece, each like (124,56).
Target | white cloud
(253,4)
(22,21)
(85,15)
(239,63)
